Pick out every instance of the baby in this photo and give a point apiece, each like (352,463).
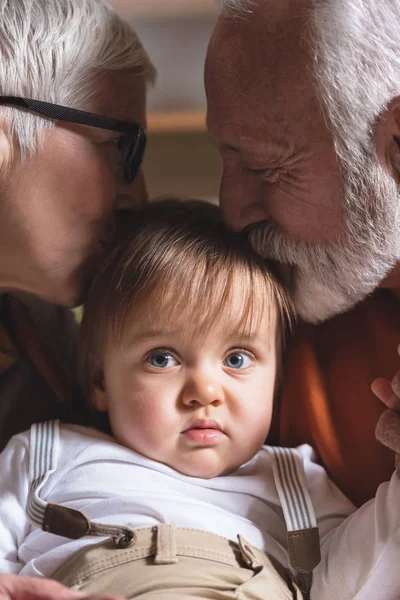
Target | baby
(182,344)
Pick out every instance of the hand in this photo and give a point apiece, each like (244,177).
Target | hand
(388,427)
(17,587)
(388,391)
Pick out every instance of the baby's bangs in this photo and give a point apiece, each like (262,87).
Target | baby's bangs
(193,270)
(240,298)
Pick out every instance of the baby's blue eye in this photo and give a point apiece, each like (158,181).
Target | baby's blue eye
(237,360)
(162,360)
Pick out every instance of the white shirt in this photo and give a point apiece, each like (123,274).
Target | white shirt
(114,485)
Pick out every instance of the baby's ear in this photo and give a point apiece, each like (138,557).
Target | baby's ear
(99,394)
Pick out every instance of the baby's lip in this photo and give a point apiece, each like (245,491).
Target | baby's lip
(203,424)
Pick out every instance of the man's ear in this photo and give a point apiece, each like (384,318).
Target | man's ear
(99,394)
(387,138)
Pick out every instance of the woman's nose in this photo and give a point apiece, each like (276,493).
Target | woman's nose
(132,195)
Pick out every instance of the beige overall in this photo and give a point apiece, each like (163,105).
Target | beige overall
(168,562)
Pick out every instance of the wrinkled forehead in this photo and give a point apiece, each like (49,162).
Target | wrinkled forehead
(259,65)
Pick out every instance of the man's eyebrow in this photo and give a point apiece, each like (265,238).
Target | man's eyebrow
(257,149)
(220,145)
(248,145)
(223,145)
(227,147)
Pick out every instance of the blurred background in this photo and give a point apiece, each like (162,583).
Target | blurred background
(180,160)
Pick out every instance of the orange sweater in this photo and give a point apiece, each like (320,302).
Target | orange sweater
(327,399)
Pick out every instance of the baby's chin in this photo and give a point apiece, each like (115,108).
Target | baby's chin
(204,467)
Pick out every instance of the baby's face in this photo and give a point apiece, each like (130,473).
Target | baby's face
(198,399)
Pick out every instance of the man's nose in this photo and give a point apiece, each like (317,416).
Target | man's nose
(132,195)
(202,390)
(243,199)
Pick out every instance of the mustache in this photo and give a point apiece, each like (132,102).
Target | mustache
(262,238)
(270,241)
(314,259)
(259,229)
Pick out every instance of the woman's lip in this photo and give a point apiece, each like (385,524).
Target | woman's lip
(204,436)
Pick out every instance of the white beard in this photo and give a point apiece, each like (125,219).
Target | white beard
(328,279)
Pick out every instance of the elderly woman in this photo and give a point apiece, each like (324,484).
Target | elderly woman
(73,82)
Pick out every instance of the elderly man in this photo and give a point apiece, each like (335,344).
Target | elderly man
(73,82)
(304,108)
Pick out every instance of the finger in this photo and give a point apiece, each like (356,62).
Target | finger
(396,384)
(16,587)
(388,430)
(382,388)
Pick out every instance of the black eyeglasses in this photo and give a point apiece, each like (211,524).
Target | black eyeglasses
(131,144)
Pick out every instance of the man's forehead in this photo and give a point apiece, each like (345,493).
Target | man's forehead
(257,67)
(272,41)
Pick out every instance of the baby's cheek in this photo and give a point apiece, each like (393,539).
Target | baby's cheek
(259,428)
(150,424)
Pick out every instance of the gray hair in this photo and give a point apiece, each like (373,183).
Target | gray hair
(55,51)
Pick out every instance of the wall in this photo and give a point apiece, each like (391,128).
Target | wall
(180,160)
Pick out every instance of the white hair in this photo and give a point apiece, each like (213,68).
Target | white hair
(55,51)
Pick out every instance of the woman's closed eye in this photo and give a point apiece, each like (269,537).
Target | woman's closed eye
(112,148)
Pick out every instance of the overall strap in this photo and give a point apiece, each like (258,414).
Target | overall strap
(302,530)
(55,518)
(44,443)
